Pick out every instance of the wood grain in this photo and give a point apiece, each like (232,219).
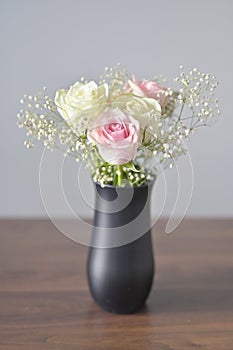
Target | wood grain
(45,303)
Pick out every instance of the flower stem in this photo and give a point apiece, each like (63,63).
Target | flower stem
(183,104)
(119,175)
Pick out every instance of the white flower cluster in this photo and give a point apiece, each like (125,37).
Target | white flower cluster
(197,94)
(124,129)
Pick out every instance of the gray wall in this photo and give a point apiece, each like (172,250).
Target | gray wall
(55,42)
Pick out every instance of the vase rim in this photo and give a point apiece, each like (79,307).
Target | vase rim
(146,184)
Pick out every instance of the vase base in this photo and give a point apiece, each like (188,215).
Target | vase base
(117,311)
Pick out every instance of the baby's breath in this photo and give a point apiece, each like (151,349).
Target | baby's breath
(116,77)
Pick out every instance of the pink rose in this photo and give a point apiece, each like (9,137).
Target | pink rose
(147,88)
(116,135)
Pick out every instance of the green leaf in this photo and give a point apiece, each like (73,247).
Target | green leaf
(135,168)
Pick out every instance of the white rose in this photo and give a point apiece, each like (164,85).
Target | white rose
(81,100)
(145,110)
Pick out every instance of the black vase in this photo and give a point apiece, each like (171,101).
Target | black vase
(120,266)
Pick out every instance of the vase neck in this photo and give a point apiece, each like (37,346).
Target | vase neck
(121,214)
(130,200)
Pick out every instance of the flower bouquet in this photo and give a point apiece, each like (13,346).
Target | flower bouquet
(125,130)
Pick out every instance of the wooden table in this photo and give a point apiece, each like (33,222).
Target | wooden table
(45,303)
